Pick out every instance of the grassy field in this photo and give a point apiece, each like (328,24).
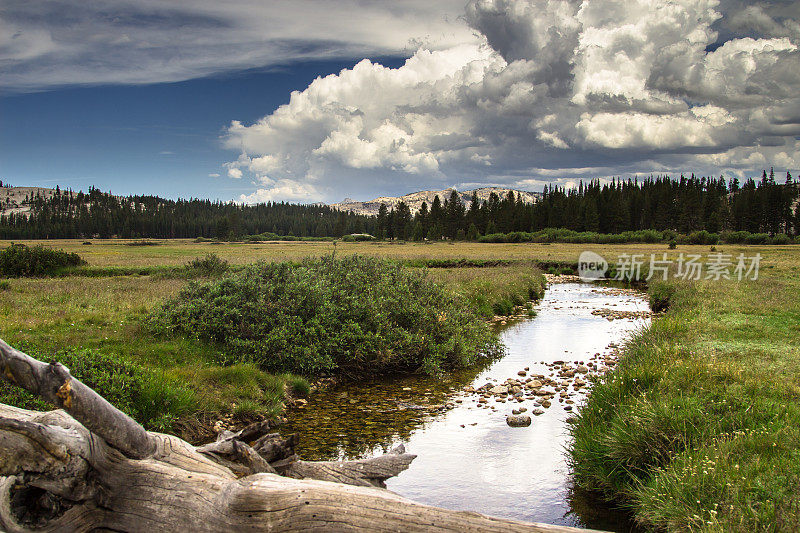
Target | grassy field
(181,384)
(119,253)
(697,430)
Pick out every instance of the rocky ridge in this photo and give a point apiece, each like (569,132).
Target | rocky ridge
(415,200)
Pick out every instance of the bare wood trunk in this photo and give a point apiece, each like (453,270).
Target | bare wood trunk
(65,471)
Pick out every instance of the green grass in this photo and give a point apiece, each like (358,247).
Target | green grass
(698,428)
(494,291)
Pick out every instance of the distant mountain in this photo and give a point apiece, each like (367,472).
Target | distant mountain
(414,200)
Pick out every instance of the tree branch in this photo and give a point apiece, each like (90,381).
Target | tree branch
(54,384)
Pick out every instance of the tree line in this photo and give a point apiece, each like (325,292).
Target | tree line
(685,205)
(99,214)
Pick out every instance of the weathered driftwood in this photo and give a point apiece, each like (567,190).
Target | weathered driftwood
(88,466)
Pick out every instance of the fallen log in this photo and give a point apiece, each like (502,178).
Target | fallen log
(89,467)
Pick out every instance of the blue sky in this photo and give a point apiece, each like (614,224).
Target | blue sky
(161,138)
(280,100)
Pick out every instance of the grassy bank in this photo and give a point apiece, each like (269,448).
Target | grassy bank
(698,428)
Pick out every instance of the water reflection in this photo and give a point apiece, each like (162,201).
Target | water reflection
(468,458)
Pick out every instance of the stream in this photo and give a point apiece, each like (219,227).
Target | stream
(468,457)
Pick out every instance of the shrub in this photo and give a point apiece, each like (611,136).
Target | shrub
(19,260)
(503,307)
(757,238)
(210,265)
(660,295)
(350,316)
(781,238)
(143,242)
(702,237)
(5,285)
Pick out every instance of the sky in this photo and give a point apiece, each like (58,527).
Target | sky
(315,100)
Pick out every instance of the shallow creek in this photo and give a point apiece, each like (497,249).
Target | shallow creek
(468,457)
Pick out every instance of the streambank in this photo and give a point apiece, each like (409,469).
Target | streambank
(468,456)
(697,427)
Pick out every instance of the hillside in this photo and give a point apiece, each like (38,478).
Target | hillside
(12,199)
(415,199)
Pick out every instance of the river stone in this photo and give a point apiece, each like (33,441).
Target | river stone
(535,384)
(518,421)
(499,389)
(538,412)
(582,369)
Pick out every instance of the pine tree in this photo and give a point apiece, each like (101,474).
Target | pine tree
(455,214)
(383,216)
(472,232)
(435,233)
(418,233)
(797,219)
(591,218)
(402,221)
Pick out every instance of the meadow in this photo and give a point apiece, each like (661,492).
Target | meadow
(696,430)
(182,384)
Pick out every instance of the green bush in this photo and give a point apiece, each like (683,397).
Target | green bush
(503,307)
(269,236)
(702,237)
(144,242)
(210,265)
(5,285)
(781,238)
(757,238)
(18,260)
(660,295)
(646,236)
(350,316)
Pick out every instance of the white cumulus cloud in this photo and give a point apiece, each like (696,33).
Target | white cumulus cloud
(618,87)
